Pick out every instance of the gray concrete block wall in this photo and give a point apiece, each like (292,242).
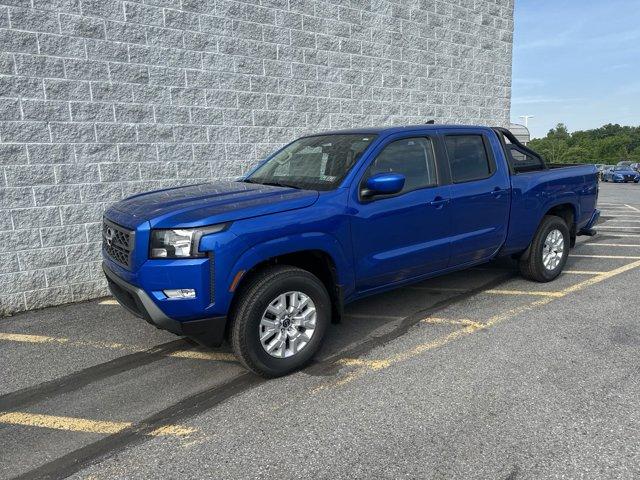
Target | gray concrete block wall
(100,99)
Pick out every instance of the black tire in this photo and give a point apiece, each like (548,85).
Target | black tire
(252,302)
(531,265)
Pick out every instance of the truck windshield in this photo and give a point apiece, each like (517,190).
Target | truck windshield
(313,163)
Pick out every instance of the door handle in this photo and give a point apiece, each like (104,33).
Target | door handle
(497,192)
(438,202)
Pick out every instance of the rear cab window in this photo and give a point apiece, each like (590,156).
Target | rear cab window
(520,160)
(468,157)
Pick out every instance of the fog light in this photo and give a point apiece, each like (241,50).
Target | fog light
(180,293)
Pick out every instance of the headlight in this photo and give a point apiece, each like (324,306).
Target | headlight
(180,243)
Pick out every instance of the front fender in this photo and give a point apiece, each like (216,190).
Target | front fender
(321,241)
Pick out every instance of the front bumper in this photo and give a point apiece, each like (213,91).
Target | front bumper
(208,330)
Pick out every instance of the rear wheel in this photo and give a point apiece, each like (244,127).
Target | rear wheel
(279,320)
(546,256)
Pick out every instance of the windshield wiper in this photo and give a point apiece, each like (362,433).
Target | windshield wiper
(272,184)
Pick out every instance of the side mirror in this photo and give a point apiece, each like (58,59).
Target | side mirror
(383,184)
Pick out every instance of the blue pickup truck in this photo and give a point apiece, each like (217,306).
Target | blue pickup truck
(269,260)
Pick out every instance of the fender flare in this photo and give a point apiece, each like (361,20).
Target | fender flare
(275,247)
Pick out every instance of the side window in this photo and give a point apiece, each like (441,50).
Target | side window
(412,157)
(467,157)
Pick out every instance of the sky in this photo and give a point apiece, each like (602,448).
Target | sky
(576,62)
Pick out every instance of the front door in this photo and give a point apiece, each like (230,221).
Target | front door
(400,236)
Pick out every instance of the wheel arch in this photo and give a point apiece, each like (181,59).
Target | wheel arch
(322,257)
(566,211)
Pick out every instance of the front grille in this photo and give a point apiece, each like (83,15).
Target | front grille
(117,243)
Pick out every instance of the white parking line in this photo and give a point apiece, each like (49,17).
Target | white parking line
(632,208)
(604,228)
(605,256)
(619,235)
(594,244)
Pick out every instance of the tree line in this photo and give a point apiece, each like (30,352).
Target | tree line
(608,144)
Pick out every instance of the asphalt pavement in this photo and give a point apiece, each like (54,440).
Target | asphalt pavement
(478,374)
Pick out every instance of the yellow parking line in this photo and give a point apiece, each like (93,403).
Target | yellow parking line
(359,362)
(467,330)
(193,354)
(74,424)
(607,256)
(197,355)
(446,321)
(582,272)
(524,292)
(108,301)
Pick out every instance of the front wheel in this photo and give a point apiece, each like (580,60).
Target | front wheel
(279,320)
(546,256)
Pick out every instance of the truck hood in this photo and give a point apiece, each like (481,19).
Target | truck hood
(211,203)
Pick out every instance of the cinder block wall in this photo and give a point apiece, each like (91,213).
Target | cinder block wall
(100,99)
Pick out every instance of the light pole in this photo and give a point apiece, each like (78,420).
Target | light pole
(526,119)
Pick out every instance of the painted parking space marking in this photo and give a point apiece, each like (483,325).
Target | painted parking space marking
(624,220)
(447,321)
(582,272)
(626,257)
(618,235)
(524,292)
(108,301)
(607,228)
(85,425)
(594,244)
(632,207)
(42,339)
(419,349)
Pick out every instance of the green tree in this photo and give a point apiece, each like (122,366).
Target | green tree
(608,144)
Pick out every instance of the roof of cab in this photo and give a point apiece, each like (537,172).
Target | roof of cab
(395,129)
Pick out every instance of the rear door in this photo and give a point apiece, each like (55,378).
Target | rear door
(480,195)
(396,237)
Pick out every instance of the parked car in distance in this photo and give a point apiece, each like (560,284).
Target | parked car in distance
(599,169)
(604,170)
(268,261)
(623,163)
(635,166)
(621,174)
